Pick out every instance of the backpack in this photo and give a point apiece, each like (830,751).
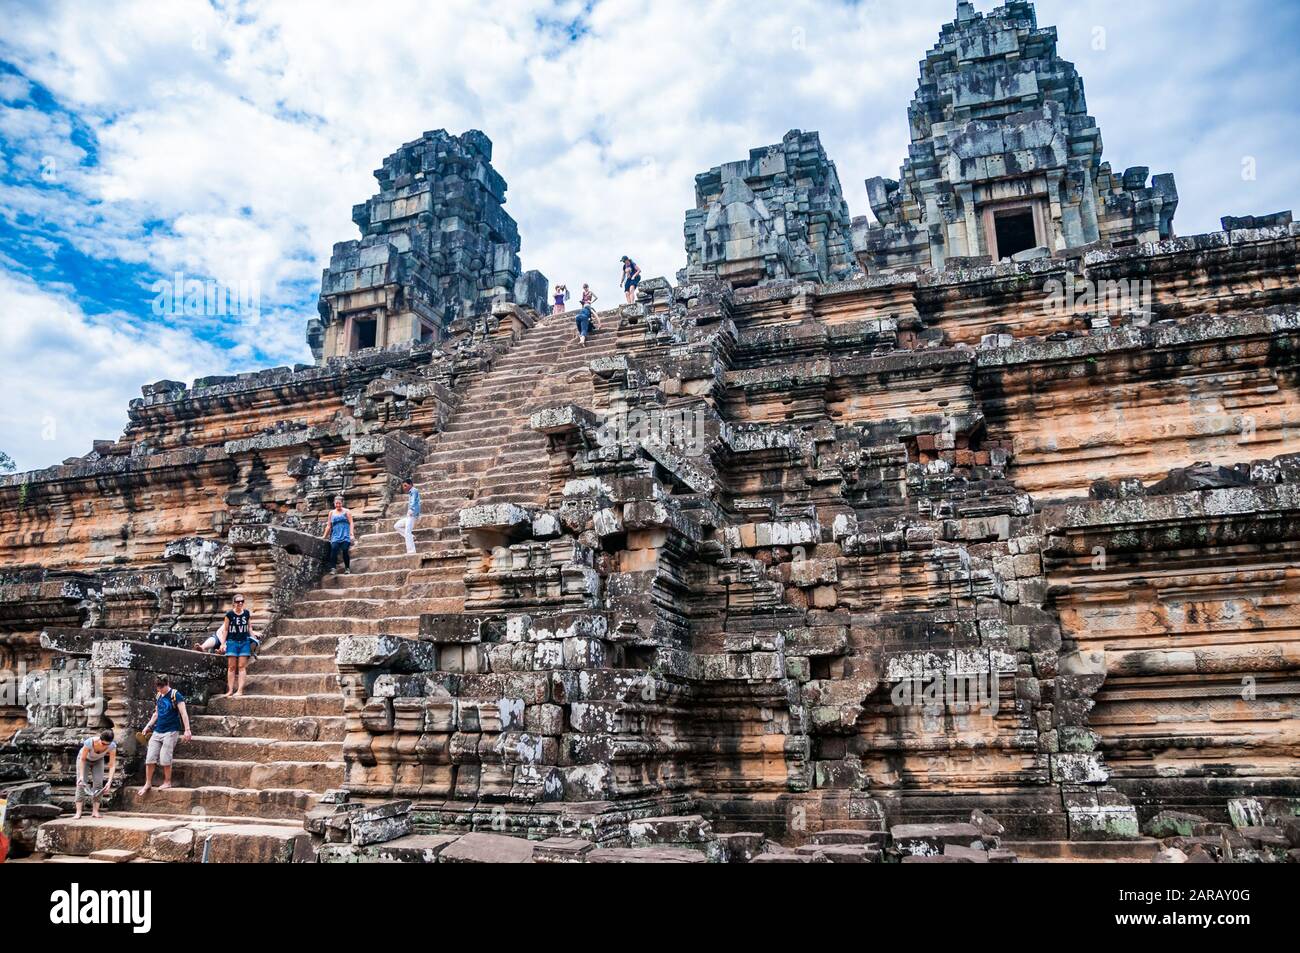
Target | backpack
(142,737)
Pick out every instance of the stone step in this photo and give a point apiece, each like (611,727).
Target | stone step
(336,585)
(304,728)
(423,537)
(433,561)
(525,490)
(305,775)
(174,839)
(472,470)
(410,600)
(429,524)
(448,529)
(433,534)
(256,750)
(221,801)
(327,704)
(304,644)
(323,600)
(479,414)
(113,855)
(83,836)
(522,494)
(251,843)
(309,684)
(63,859)
(452,486)
(463,451)
(498,477)
(483,433)
(509,467)
(396,546)
(401,562)
(376,625)
(329,625)
(463,428)
(1110,851)
(269,664)
(370,564)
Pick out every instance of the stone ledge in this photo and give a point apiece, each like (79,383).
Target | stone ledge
(391,652)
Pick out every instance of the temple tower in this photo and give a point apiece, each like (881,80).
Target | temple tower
(780,214)
(436,245)
(1005,160)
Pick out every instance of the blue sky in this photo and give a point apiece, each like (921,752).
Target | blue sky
(229,141)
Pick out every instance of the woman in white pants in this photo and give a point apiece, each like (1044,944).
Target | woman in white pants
(406,525)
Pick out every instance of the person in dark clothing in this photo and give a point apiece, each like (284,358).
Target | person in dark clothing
(338,530)
(583,317)
(631,278)
(237,635)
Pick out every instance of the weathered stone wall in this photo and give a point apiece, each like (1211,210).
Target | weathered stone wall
(815,564)
(1186,593)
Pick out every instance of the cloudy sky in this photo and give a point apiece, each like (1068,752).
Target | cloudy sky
(229,141)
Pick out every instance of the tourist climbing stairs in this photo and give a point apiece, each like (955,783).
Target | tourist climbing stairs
(258,762)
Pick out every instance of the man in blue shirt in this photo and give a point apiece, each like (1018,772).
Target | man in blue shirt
(169,715)
(406,525)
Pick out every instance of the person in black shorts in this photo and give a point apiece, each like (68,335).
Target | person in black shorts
(631,278)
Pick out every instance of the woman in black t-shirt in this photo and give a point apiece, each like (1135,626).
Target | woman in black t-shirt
(238,636)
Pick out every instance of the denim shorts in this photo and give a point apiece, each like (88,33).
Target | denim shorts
(239,649)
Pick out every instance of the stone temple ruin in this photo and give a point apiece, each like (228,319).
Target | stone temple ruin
(778,215)
(970,535)
(1005,161)
(436,246)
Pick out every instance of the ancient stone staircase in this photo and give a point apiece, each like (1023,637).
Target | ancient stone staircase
(486,454)
(264,759)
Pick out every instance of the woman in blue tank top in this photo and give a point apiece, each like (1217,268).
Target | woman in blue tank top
(338,530)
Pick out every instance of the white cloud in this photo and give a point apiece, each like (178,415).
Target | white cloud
(69,375)
(249,130)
